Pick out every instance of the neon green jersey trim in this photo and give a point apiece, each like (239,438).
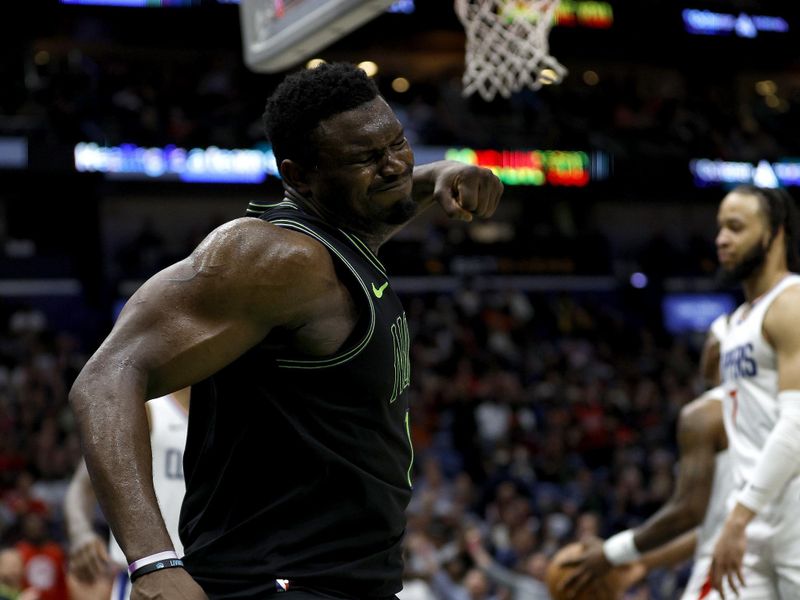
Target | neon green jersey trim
(350,354)
(364,249)
(411,447)
(260,207)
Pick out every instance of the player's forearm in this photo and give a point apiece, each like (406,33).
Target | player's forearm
(779,460)
(673,552)
(109,408)
(674,518)
(424,183)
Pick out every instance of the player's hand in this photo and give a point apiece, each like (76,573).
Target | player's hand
(590,566)
(464,191)
(728,557)
(167,584)
(89,560)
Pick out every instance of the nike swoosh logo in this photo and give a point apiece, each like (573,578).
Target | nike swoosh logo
(379,291)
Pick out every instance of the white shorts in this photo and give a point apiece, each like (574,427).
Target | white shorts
(771,566)
(699,585)
(760,584)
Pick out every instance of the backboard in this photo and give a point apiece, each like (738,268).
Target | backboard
(278,34)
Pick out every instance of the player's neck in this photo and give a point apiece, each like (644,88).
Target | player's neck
(373,239)
(762,282)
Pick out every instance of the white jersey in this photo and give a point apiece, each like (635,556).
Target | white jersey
(719,327)
(168,426)
(749,370)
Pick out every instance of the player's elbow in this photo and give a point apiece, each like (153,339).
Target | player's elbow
(92,387)
(82,396)
(78,394)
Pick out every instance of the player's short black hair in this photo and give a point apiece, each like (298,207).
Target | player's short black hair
(780,210)
(307,97)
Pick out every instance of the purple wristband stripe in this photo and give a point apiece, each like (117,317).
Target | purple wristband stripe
(148,560)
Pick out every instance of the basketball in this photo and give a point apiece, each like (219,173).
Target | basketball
(603,589)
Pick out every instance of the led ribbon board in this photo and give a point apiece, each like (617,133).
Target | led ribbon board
(708,172)
(684,312)
(570,13)
(594,15)
(706,22)
(536,167)
(197,165)
(135,3)
(219,165)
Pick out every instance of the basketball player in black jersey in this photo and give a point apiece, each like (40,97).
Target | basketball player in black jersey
(298,456)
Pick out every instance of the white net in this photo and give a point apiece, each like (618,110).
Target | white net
(507,47)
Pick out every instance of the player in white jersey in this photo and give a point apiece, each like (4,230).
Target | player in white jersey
(698,498)
(758,551)
(97,573)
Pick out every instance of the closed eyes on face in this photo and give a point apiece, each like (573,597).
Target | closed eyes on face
(377,155)
(733,225)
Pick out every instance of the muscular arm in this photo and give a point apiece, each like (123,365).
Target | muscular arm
(699,431)
(672,553)
(181,326)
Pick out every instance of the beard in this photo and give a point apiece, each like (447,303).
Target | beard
(742,270)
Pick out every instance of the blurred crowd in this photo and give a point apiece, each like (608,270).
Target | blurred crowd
(39,450)
(93,93)
(210,98)
(537,420)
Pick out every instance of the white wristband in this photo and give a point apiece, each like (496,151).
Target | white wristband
(148,560)
(620,549)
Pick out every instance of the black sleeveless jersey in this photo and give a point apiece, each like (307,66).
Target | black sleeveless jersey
(297,467)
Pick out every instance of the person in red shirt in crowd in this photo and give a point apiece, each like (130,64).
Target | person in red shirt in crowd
(43,559)
(11,574)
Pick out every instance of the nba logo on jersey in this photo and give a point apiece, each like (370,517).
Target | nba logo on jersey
(282,585)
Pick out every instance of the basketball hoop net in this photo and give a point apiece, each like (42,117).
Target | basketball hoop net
(507,47)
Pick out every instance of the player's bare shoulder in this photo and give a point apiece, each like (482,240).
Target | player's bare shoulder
(254,246)
(265,264)
(780,320)
(701,423)
(283,278)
